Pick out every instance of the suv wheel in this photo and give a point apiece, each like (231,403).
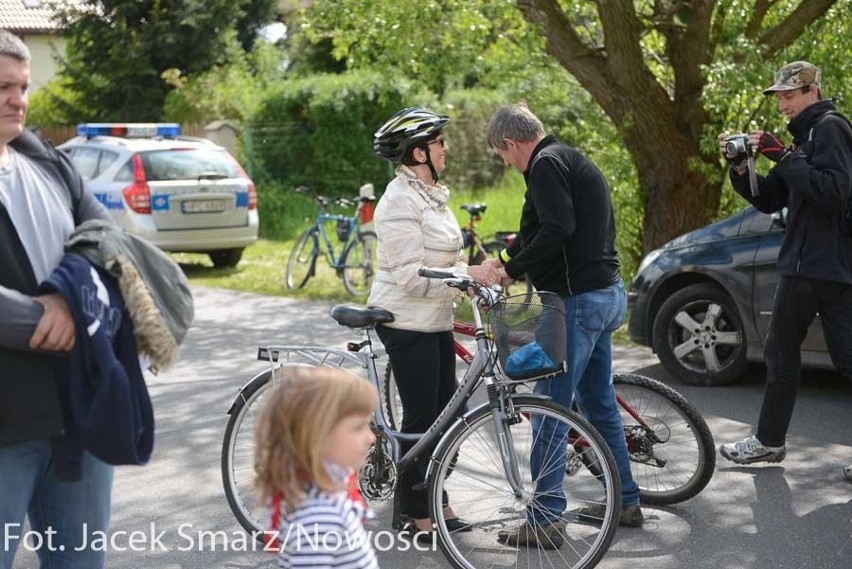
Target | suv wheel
(226,257)
(698,335)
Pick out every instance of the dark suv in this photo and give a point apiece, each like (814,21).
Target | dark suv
(703,300)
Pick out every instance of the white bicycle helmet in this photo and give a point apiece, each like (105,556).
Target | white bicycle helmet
(406,129)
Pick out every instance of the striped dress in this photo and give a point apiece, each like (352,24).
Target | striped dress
(325,531)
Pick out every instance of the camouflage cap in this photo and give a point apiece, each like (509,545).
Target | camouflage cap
(793,76)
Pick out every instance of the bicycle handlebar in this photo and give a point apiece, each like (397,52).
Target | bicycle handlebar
(488,295)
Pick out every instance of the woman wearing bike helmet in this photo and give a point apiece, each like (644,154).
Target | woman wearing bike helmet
(416,229)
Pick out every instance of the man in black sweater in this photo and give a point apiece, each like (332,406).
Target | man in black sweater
(566,245)
(40,196)
(812,178)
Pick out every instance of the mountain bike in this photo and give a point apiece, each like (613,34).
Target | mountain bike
(480,457)
(478,250)
(355,259)
(671,448)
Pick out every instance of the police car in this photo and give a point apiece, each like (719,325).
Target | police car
(184,194)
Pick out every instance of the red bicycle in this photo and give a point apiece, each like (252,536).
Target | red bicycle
(672,452)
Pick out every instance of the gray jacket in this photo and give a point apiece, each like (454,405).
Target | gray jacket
(153,286)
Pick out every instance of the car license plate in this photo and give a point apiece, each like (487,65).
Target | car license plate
(202,206)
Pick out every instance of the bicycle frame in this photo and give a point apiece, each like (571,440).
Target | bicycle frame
(335,257)
(464,354)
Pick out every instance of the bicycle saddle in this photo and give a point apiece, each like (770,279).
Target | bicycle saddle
(474,209)
(355,317)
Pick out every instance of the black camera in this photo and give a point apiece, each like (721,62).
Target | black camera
(737,148)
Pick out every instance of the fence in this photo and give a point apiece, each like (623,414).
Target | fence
(56,135)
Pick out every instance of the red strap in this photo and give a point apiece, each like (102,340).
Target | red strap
(270,539)
(354,491)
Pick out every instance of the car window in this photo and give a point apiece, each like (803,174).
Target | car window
(91,162)
(86,161)
(107,159)
(125,174)
(186,164)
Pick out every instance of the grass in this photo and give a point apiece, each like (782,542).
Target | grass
(264,264)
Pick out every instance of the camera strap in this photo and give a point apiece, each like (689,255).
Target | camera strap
(752,175)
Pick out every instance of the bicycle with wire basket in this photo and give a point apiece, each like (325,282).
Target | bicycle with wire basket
(671,448)
(481,457)
(355,259)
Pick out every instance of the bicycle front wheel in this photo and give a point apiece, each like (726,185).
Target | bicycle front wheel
(238,466)
(303,259)
(359,264)
(468,466)
(673,457)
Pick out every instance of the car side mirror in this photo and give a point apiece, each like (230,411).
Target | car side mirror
(780,218)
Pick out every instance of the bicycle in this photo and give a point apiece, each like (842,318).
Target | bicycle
(481,457)
(479,250)
(671,448)
(354,262)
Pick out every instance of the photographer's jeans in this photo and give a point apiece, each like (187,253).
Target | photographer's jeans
(28,487)
(591,318)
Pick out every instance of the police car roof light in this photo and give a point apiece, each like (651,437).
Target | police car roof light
(129,129)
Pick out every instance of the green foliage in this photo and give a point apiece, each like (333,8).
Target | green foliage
(117,51)
(318,131)
(471,164)
(232,89)
(54,104)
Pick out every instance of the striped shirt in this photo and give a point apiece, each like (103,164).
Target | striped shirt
(325,532)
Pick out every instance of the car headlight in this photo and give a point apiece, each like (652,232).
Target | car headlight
(649,258)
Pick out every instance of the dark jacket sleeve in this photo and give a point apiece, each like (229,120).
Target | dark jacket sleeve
(20,314)
(772,195)
(552,195)
(823,179)
(86,204)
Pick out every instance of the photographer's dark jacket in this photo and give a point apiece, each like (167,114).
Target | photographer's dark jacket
(566,240)
(814,182)
(29,400)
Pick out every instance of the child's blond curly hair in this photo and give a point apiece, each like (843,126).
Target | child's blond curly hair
(291,434)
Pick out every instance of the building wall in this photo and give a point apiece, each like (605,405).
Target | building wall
(43,65)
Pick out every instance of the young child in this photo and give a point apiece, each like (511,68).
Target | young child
(313,433)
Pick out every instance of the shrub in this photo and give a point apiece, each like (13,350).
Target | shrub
(318,131)
(471,163)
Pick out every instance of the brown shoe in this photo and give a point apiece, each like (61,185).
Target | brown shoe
(546,536)
(630,516)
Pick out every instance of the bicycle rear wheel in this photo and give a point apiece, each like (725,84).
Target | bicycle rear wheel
(237,462)
(303,259)
(359,264)
(674,457)
(468,465)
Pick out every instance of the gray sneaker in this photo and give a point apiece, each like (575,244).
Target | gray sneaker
(548,536)
(629,517)
(751,450)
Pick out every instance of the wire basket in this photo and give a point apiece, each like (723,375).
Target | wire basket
(530,335)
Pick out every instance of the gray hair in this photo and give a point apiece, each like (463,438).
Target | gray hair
(515,122)
(12,46)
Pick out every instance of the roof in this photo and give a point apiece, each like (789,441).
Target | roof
(29,16)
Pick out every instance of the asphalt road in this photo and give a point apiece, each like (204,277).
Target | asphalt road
(791,516)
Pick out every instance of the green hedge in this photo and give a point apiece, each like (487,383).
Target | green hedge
(318,131)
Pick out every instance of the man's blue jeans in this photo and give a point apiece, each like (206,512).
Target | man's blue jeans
(591,319)
(28,487)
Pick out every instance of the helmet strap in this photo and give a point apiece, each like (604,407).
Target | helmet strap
(428,162)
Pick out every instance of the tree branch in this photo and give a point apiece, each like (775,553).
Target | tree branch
(782,35)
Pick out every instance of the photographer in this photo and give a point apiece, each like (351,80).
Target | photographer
(812,178)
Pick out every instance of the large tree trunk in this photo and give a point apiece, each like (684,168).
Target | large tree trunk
(661,126)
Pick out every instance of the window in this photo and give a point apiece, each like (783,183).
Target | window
(187,164)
